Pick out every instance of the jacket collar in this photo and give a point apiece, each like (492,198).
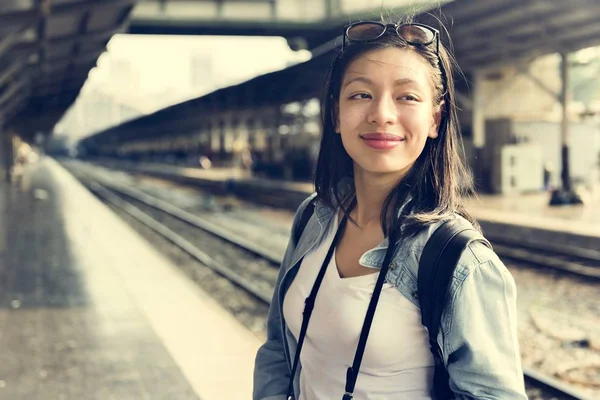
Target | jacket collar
(325,213)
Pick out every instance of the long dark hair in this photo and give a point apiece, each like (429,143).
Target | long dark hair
(438,180)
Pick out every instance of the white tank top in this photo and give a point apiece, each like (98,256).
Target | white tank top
(397,363)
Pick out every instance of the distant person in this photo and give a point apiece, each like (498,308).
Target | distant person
(388,170)
(548,171)
(246,159)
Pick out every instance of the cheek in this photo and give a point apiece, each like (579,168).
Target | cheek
(350,117)
(353,112)
(417,123)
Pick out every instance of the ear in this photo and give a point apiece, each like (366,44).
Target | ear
(435,121)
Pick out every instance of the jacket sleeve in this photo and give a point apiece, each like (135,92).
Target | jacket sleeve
(480,342)
(271,370)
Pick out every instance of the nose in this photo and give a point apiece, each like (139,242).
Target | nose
(383,111)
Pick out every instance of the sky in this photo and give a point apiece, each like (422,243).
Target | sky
(156,63)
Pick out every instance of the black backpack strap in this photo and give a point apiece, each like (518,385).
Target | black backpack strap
(352,372)
(436,268)
(307,212)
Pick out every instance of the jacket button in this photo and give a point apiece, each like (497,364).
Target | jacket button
(392,265)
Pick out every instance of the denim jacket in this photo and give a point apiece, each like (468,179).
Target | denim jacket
(478,333)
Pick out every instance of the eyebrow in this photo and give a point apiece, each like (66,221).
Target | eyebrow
(397,82)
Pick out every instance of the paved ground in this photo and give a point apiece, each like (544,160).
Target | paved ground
(79,313)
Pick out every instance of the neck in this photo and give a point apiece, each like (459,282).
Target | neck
(371,191)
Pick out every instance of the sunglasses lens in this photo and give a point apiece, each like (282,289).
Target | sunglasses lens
(362,32)
(416,34)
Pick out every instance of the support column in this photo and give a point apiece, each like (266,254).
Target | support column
(564,125)
(565,195)
(260,135)
(302,117)
(9,153)
(222,144)
(328,9)
(242,133)
(478,131)
(2,146)
(214,133)
(7,157)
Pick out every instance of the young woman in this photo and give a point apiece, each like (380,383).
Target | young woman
(389,171)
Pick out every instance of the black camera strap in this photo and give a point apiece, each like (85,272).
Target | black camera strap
(309,304)
(352,372)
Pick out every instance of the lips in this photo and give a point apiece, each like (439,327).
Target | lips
(381,136)
(381,140)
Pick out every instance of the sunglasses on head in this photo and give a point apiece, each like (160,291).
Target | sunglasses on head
(412,34)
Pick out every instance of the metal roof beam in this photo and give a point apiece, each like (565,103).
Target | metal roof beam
(43,7)
(12,106)
(539,83)
(33,72)
(26,49)
(460,10)
(12,89)
(523,29)
(498,19)
(57,89)
(32,17)
(86,58)
(54,80)
(163,3)
(11,71)
(565,40)
(9,40)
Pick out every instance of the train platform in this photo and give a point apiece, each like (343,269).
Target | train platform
(520,218)
(90,310)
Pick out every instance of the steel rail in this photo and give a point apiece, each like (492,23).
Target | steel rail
(134,212)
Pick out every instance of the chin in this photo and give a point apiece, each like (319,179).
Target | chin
(383,168)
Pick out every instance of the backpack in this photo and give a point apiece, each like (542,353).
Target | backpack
(436,267)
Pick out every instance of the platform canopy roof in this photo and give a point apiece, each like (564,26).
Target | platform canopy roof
(494,32)
(488,33)
(485,34)
(47,48)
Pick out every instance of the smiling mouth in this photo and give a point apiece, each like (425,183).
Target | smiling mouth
(381,141)
(382,136)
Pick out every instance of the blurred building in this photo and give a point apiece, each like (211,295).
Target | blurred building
(201,73)
(96,111)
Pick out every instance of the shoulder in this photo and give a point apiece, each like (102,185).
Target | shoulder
(478,255)
(302,219)
(481,265)
(412,248)
(480,282)
(477,252)
(418,241)
(479,274)
(305,206)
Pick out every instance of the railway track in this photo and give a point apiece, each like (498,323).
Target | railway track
(567,259)
(117,196)
(582,262)
(572,261)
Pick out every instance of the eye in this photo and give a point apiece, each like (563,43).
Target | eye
(360,96)
(408,97)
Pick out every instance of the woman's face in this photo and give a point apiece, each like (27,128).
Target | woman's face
(386,112)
